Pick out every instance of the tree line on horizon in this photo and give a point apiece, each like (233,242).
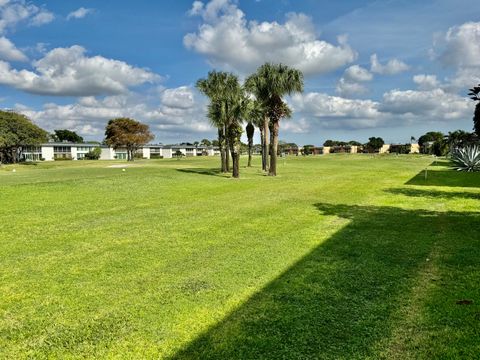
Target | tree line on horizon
(17,132)
(259,101)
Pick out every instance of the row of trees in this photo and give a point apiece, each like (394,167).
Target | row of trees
(259,101)
(440,144)
(17,132)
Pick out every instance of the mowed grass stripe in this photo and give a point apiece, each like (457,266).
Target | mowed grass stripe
(144,262)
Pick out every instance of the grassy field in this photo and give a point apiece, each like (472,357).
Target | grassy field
(338,257)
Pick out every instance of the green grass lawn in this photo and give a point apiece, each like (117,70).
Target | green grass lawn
(338,257)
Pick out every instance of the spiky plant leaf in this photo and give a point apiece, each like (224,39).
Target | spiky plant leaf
(467,159)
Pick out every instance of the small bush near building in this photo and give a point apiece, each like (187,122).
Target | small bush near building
(156,156)
(400,149)
(93,154)
(178,154)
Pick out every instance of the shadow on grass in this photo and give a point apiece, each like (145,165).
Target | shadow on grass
(201,171)
(449,177)
(442,163)
(434,193)
(339,300)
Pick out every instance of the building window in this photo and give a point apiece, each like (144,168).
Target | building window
(62,149)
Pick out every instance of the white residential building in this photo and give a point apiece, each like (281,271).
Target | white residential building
(77,151)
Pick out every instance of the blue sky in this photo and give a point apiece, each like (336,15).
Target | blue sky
(391,68)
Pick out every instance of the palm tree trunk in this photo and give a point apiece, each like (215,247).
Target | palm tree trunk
(14,155)
(250,146)
(223,150)
(262,141)
(227,146)
(274,148)
(235,149)
(265,143)
(234,140)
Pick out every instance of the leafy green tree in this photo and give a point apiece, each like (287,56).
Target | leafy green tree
(178,154)
(67,135)
(440,147)
(284,147)
(308,149)
(269,84)
(206,142)
(475,96)
(430,137)
(16,132)
(94,154)
(329,143)
(215,143)
(374,144)
(127,133)
(461,138)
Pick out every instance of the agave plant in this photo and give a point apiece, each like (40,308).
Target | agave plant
(467,159)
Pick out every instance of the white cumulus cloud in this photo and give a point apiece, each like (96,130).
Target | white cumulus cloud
(9,52)
(79,13)
(433,104)
(14,12)
(392,67)
(350,83)
(69,72)
(230,41)
(89,115)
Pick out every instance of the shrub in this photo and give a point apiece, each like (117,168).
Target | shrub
(156,156)
(467,159)
(374,144)
(440,148)
(400,149)
(93,154)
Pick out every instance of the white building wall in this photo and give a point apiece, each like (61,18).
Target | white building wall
(146,152)
(384,149)
(107,154)
(47,153)
(167,153)
(73,151)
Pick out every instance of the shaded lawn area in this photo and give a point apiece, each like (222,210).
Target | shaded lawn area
(379,288)
(338,257)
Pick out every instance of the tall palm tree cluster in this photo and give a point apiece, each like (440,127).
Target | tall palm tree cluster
(259,102)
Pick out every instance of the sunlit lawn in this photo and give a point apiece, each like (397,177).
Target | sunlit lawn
(340,256)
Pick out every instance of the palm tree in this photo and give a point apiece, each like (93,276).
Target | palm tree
(269,84)
(236,105)
(214,86)
(255,85)
(226,111)
(256,115)
(475,96)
